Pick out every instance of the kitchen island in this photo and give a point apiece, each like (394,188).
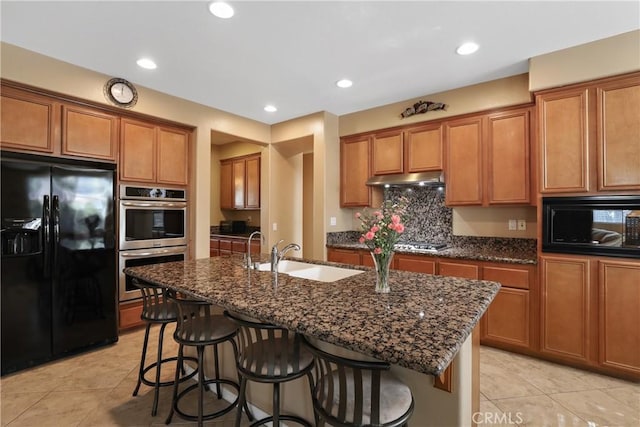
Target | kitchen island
(421,327)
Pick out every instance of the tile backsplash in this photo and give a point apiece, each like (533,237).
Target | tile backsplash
(427,218)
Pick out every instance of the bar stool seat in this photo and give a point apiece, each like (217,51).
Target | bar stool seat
(349,392)
(156,310)
(198,326)
(269,354)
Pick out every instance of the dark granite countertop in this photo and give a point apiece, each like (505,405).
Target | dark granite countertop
(421,324)
(513,255)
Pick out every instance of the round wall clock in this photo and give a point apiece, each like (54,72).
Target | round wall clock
(121,93)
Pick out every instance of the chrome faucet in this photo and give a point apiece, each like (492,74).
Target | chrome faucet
(276,255)
(249,263)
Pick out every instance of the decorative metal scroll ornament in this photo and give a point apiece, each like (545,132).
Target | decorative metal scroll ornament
(422,107)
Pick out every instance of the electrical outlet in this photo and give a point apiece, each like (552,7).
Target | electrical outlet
(275,226)
(332,220)
(249,219)
(512,224)
(522,225)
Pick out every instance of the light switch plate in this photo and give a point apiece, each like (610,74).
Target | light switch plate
(513,225)
(332,220)
(275,226)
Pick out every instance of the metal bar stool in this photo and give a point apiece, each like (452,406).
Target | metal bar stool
(156,310)
(348,392)
(199,327)
(269,354)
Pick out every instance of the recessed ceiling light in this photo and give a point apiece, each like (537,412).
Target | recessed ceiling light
(344,83)
(270,109)
(146,63)
(221,9)
(467,48)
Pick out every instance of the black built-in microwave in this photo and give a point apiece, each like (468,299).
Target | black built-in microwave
(597,225)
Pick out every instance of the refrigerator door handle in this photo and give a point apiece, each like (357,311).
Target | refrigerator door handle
(56,228)
(46,214)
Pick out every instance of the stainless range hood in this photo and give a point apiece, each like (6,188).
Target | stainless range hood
(433,179)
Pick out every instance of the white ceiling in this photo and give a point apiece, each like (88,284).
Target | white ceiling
(290,54)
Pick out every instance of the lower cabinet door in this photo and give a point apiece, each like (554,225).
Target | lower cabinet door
(619,315)
(566,302)
(507,319)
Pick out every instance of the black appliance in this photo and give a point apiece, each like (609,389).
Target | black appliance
(58,258)
(233,227)
(597,225)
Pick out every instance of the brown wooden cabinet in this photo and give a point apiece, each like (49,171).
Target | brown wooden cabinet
(467,270)
(589,136)
(566,307)
(423,148)
(89,133)
(355,169)
(172,156)
(240,182)
(226,245)
(387,153)
(591,311)
(129,315)
(508,172)
(509,319)
(463,166)
(412,150)
(344,256)
(619,315)
(152,153)
(416,263)
(488,159)
(28,121)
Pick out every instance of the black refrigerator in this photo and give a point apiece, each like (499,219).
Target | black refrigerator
(58,258)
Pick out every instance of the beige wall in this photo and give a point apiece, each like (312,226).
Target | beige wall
(602,58)
(44,72)
(494,94)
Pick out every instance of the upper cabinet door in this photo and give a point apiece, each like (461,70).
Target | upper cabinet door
(354,172)
(173,152)
(238,184)
(252,184)
(226,185)
(508,159)
(564,141)
(387,153)
(89,133)
(138,151)
(423,149)
(618,135)
(28,121)
(463,140)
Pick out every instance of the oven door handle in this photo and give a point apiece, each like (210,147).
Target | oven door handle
(154,204)
(153,253)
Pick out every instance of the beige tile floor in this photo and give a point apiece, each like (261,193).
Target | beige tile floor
(94,389)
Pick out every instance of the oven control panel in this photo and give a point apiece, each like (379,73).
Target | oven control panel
(146,193)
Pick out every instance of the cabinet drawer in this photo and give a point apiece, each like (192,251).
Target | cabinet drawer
(238,247)
(509,277)
(225,245)
(415,263)
(344,256)
(466,271)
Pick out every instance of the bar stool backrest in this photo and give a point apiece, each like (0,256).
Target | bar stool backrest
(155,305)
(268,352)
(196,323)
(347,392)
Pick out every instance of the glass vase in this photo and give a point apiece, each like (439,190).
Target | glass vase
(382,263)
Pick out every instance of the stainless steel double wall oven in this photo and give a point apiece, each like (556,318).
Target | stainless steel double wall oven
(153,229)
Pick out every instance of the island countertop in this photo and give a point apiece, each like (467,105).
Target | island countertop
(421,324)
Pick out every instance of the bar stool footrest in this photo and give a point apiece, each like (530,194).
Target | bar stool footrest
(149,383)
(205,417)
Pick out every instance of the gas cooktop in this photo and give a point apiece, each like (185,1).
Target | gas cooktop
(420,246)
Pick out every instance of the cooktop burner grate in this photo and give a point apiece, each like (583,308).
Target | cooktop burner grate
(422,246)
